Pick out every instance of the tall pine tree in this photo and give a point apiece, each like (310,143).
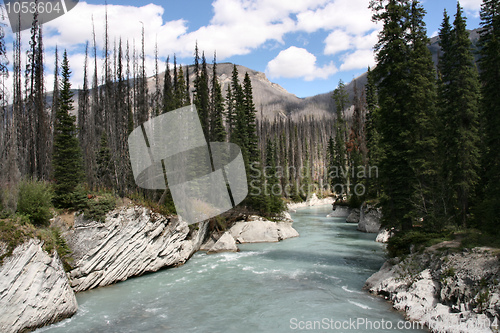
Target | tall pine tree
(489,41)
(405,119)
(67,158)
(459,108)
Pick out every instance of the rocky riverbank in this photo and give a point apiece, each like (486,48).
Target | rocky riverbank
(35,290)
(312,201)
(254,229)
(131,241)
(447,289)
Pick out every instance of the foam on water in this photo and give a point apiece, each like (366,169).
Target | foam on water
(317,275)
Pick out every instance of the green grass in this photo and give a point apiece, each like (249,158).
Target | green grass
(471,238)
(401,244)
(16,230)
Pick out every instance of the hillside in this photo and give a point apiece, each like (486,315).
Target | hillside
(272,101)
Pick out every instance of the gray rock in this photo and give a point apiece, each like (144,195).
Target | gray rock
(313,200)
(353,216)
(443,290)
(340,211)
(369,219)
(131,242)
(212,239)
(34,289)
(226,243)
(384,235)
(262,231)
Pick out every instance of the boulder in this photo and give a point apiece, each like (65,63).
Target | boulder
(212,239)
(34,289)
(369,219)
(340,211)
(384,235)
(262,231)
(442,290)
(131,241)
(353,216)
(226,243)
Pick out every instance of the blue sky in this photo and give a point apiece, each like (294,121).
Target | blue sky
(305,46)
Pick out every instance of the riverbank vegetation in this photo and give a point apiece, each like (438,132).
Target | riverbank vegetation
(418,139)
(434,132)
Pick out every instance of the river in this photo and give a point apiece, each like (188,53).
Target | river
(313,281)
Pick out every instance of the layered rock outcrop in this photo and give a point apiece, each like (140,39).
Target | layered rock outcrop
(455,292)
(34,289)
(131,242)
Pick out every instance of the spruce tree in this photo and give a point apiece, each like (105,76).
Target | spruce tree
(339,182)
(168,91)
(202,97)
(489,212)
(239,126)
(273,188)
(423,132)
(372,136)
(230,112)
(247,122)
(217,130)
(459,108)
(67,158)
(405,118)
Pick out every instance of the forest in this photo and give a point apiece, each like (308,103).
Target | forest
(419,141)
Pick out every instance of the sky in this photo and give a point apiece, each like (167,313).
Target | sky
(305,46)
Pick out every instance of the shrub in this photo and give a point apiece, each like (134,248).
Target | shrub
(99,206)
(35,201)
(401,244)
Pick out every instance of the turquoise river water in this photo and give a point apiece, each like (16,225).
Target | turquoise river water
(310,283)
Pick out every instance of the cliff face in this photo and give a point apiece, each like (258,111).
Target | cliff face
(132,241)
(454,292)
(34,289)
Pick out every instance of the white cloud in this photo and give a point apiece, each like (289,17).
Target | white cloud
(297,62)
(239,26)
(337,41)
(359,59)
(75,27)
(352,15)
(471,5)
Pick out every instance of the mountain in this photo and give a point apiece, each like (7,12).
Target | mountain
(272,101)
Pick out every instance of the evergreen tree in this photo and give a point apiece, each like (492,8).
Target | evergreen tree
(239,129)
(180,90)
(168,91)
(273,188)
(459,97)
(340,183)
(217,130)
(67,158)
(405,118)
(489,212)
(372,136)
(104,163)
(421,109)
(230,112)
(203,97)
(246,120)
